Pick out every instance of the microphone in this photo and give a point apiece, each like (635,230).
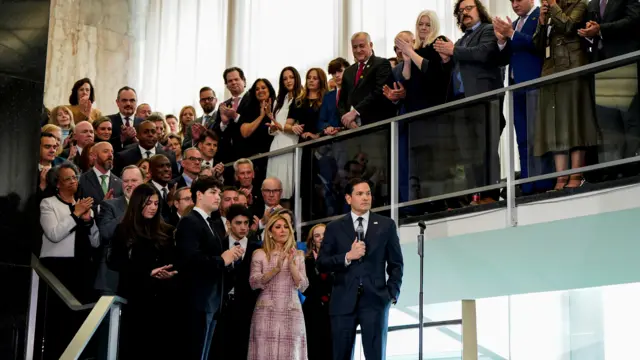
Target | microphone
(360,236)
(422,225)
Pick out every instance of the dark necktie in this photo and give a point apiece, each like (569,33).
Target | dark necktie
(360,229)
(165,192)
(359,73)
(148,153)
(239,261)
(603,6)
(127,121)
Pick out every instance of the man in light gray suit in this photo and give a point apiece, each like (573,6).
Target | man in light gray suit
(476,69)
(110,213)
(99,183)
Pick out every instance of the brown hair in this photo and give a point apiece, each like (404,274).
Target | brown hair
(310,244)
(336,64)
(323,88)
(482,11)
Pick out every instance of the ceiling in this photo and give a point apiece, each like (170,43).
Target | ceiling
(24,27)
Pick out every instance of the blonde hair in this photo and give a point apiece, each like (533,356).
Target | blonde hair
(49,128)
(183,128)
(433,34)
(310,243)
(53,116)
(269,244)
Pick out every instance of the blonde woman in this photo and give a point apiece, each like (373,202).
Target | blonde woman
(277,326)
(187,116)
(316,305)
(63,117)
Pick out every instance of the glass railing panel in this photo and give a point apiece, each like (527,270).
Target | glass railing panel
(328,166)
(449,151)
(591,119)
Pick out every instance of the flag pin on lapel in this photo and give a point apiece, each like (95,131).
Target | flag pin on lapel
(375,223)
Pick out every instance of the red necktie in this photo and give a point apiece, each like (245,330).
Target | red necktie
(338,97)
(359,73)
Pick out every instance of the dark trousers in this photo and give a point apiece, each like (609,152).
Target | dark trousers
(373,324)
(197,334)
(231,336)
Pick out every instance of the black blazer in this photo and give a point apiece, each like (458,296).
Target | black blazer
(620,28)
(383,250)
(132,155)
(479,61)
(226,141)
(200,264)
(89,186)
(237,278)
(76,159)
(367,97)
(116,124)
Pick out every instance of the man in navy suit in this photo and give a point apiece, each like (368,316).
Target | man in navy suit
(515,41)
(124,123)
(356,249)
(202,262)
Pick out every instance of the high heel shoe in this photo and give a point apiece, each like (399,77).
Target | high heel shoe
(575,181)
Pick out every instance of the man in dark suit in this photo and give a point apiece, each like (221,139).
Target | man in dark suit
(515,41)
(613,29)
(99,182)
(182,204)
(191,165)
(160,171)
(361,100)
(110,213)
(202,263)
(356,249)
(232,331)
(146,148)
(476,69)
(124,123)
(83,135)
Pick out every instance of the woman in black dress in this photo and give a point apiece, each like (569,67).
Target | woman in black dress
(316,305)
(305,112)
(142,251)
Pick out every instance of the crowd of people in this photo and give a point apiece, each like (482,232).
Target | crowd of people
(142,205)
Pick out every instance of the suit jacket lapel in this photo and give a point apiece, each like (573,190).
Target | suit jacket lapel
(94,181)
(122,204)
(347,227)
(372,232)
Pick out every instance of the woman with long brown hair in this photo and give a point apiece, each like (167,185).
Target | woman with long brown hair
(277,326)
(282,129)
(316,305)
(142,251)
(81,101)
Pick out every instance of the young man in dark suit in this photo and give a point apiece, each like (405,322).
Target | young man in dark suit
(234,326)
(124,123)
(99,182)
(356,249)
(361,100)
(146,148)
(202,262)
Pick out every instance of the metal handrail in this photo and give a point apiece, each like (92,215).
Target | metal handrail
(105,305)
(592,68)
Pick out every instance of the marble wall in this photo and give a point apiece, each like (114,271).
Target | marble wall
(95,39)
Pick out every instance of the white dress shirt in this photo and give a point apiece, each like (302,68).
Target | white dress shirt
(224,221)
(99,173)
(160,187)
(204,216)
(124,121)
(207,162)
(143,151)
(243,243)
(365,226)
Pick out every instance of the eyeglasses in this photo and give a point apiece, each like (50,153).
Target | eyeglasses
(271,191)
(466,9)
(186,198)
(193,158)
(68,179)
(208,99)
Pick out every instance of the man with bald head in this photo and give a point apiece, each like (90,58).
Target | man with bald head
(82,136)
(99,182)
(146,148)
